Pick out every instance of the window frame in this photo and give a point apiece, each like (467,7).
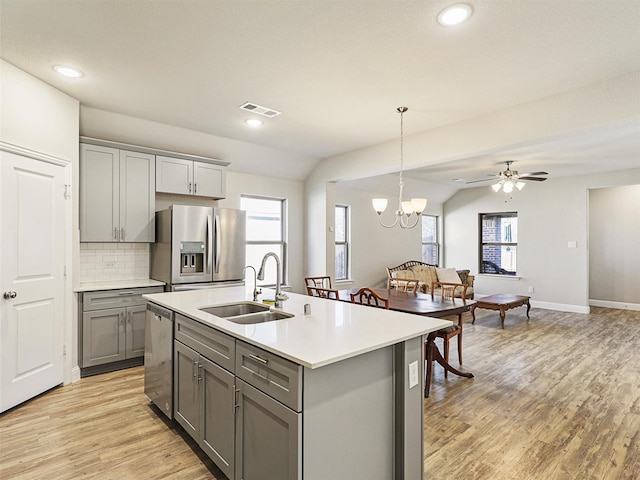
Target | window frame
(346,242)
(482,244)
(436,244)
(283,234)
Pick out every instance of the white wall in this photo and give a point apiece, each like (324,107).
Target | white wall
(571,113)
(244,157)
(373,246)
(550,215)
(42,120)
(614,245)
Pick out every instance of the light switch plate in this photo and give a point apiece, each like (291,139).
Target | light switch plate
(413,374)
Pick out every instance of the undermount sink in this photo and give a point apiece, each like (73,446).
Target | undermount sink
(259,317)
(246,313)
(234,309)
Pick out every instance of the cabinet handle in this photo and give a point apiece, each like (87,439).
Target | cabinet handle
(129,318)
(194,369)
(115,233)
(200,372)
(122,234)
(189,187)
(195,188)
(235,398)
(261,360)
(121,318)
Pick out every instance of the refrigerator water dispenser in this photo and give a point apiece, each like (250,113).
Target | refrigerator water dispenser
(191,258)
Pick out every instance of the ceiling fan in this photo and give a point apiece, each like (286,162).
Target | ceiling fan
(511,178)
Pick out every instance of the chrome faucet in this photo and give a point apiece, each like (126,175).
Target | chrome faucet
(256,291)
(280,297)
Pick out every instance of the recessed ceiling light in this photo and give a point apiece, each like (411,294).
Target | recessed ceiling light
(454,15)
(68,71)
(253,122)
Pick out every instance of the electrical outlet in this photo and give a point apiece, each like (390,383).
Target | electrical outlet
(531,289)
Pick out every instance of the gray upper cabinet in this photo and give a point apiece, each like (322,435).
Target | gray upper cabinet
(190,177)
(117,195)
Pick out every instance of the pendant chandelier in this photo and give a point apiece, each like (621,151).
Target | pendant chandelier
(406,208)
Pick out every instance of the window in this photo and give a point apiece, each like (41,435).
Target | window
(499,243)
(266,227)
(430,250)
(342,242)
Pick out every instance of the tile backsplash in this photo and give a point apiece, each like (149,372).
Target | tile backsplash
(101,262)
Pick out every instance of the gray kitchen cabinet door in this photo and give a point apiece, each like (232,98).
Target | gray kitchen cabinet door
(268,437)
(174,175)
(136,317)
(137,201)
(103,336)
(99,193)
(217,421)
(186,399)
(208,180)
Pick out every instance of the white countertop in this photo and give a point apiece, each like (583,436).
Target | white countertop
(333,331)
(117,284)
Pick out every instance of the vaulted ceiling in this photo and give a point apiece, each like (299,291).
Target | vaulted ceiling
(336,69)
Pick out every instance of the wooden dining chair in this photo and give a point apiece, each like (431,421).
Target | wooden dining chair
(323,293)
(318,282)
(366,296)
(446,334)
(407,285)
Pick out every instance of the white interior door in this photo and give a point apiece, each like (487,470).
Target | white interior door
(32,222)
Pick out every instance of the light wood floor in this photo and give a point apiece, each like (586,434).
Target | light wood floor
(557,397)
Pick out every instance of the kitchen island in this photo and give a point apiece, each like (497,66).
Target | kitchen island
(334,393)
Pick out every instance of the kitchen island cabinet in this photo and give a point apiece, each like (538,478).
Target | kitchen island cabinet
(332,394)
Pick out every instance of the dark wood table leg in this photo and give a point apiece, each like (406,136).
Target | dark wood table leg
(528,308)
(473,313)
(434,354)
(503,313)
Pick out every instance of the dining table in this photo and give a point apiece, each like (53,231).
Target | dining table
(427,305)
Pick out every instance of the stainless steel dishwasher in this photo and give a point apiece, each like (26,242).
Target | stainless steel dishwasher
(158,357)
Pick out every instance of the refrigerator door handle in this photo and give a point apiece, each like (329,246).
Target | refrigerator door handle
(209,244)
(218,240)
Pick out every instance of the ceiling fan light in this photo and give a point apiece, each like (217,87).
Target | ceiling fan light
(418,205)
(496,186)
(508,186)
(379,204)
(520,185)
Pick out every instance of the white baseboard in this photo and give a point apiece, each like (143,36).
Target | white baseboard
(75,374)
(561,307)
(618,305)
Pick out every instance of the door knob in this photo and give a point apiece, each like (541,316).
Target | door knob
(9,295)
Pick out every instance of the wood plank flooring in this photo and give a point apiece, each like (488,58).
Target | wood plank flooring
(557,397)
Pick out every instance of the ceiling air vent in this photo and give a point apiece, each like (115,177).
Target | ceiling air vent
(252,107)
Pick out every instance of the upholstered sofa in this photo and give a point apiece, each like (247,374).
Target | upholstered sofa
(432,279)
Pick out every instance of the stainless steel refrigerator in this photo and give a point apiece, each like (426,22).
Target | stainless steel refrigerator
(198,247)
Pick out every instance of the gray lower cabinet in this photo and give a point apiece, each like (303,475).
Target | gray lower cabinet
(246,432)
(204,404)
(268,437)
(112,326)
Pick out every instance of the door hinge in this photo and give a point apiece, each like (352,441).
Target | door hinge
(67,191)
